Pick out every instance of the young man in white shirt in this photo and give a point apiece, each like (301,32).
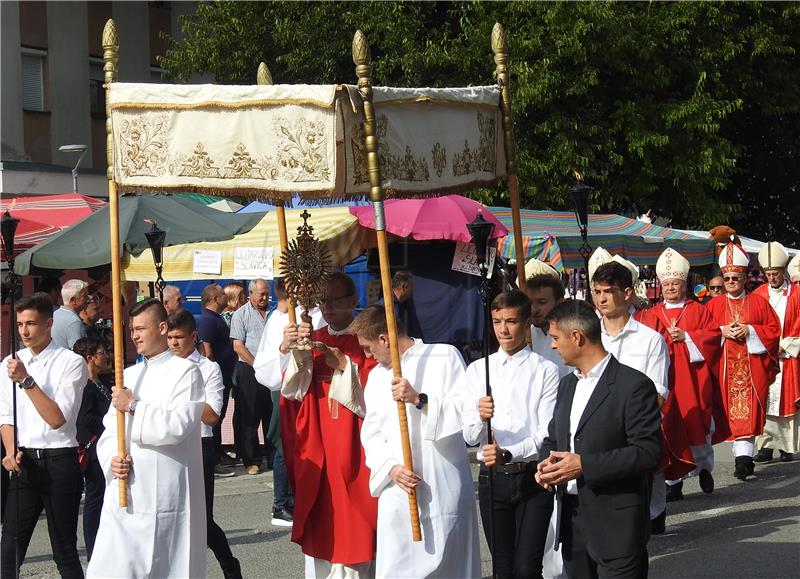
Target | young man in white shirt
(44,472)
(545,291)
(182,337)
(524,390)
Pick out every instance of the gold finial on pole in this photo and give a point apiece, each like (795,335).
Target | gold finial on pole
(263,76)
(110,60)
(500,50)
(361,58)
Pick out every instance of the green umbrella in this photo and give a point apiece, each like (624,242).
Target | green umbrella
(86,243)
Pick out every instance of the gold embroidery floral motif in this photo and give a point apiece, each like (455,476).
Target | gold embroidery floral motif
(198,164)
(241,165)
(740,389)
(400,167)
(439,154)
(143,146)
(302,155)
(481,159)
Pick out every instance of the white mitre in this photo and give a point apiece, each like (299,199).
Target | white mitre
(537,267)
(772,255)
(598,258)
(733,259)
(793,269)
(629,265)
(672,265)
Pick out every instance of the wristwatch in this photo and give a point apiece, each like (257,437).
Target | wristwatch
(507,456)
(423,400)
(27,383)
(132,406)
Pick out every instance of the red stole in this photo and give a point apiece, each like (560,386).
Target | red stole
(335,516)
(744,379)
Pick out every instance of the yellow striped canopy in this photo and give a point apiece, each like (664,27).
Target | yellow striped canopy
(335,226)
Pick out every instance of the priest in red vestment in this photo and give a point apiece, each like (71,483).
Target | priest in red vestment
(322,410)
(693,340)
(749,361)
(782,429)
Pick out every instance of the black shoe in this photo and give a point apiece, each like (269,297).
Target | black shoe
(675,492)
(786,456)
(282,517)
(763,455)
(232,570)
(706,482)
(743,467)
(659,524)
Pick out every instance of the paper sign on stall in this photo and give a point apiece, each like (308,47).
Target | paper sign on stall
(252,263)
(465,259)
(207,261)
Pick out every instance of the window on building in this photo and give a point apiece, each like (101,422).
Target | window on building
(33,80)
(97,94)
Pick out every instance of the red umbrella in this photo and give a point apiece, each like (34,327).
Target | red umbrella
(42,216)
(430,218)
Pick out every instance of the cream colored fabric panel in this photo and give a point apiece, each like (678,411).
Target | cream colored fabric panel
(124,94)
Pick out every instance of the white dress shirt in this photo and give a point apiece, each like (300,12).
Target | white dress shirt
(524,388)
(212,385)
(583,391)
(61,374)
(642,349)
(541,344)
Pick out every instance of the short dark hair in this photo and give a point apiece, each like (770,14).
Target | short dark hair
(343,280)
(577,315)
(513,299)
(182,320)
(613,274)
(38,301)
(542,280)
(280,288)
(401,277)
(49,284)
(208,292)
(86,347)
(159,311)
(371,323)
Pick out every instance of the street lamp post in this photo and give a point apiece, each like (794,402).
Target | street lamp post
(481,231)
(580,197)
(75,149)
(155,239)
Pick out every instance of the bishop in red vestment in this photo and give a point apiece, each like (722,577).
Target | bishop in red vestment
(749,361)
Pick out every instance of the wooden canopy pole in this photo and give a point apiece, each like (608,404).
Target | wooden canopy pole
(263,77)
(361,58)
(110,59)
(500,50)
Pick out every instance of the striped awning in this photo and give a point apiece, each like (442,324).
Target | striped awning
(554,237)
(340,231)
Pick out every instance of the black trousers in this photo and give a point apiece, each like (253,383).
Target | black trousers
(215,536)
(522,511)
(227,386)
(581,563)
(54,483)
(254,407)
(95,482)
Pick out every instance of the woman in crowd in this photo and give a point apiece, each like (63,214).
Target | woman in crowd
(236,298)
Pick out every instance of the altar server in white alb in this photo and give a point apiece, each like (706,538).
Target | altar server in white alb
(162,532)
(432,387)
(545,289)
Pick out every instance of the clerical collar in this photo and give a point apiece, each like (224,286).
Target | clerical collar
(670,306)
(781,289)
(343,332)
(740,296)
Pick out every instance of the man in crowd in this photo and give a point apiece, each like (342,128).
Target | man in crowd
(634,345)
(67,324)
(716,286)
(89,316)
(162,532)
(749,360)
(45,471)
(603,443)
(524,389)
(215,344)
(403,292)
(782,429)
(173,299)
(545,290)
(52,287)
(253,402)
(441,478)
(693,341)
(182,336)
(322,410)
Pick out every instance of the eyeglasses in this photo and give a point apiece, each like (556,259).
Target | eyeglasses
(732,278)
(327,300)
(716,287)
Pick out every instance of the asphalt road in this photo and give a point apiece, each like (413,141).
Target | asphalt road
(744,529)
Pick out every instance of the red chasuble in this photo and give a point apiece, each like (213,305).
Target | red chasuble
(790,381)
(335,517)
(744,378)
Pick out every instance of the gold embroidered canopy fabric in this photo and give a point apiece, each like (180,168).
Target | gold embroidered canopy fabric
(271,141)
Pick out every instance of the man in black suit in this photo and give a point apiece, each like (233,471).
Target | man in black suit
(603,443)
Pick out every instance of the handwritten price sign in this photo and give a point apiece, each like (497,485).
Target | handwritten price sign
(466,261)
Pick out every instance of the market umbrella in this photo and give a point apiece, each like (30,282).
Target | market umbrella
(86,243)
(45,215)
(432,218)
(226,205)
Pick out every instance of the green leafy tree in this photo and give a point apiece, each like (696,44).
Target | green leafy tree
(690,109)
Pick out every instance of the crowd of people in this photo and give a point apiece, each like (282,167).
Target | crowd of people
(587,420)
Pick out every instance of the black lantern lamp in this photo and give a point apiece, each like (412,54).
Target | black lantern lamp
(580,197)
(155,239)
(481,231)
(8,226)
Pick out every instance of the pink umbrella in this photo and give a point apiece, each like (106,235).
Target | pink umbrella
(431,218)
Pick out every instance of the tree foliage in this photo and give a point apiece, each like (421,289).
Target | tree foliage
(691,109)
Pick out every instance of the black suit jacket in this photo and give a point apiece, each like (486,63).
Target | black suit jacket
(619,441)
